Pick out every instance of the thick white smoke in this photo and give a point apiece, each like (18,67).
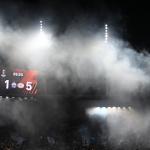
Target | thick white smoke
(123,126)
(86,61)
(130,128)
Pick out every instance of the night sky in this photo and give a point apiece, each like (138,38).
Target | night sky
(130,20)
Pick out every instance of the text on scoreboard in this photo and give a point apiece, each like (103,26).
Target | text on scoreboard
(18,82)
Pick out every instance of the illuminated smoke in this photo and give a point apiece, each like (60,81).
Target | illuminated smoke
(124,125)
(81,61)
(85,59)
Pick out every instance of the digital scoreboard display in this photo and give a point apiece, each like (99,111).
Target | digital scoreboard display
(18,82)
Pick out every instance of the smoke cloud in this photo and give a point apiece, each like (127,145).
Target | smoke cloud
(125,128)
(84,58)
(77,59)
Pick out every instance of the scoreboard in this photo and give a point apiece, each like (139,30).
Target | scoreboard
(18,82)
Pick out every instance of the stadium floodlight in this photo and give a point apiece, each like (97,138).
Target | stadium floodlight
(103,112)
(98,111)
(40,40)
(107,111)
(106,33)
(41,26)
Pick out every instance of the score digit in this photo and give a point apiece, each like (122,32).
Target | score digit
(7,84)
(29,86)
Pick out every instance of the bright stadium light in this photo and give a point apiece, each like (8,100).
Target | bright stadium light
(99,111)
(40,40)
(41,26)
(37,47)
(106,33)
(106,111)
(103,112)
(93,111)
(118,109)
(109,108)
(96,110)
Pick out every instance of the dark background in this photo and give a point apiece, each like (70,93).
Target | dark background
(130,20)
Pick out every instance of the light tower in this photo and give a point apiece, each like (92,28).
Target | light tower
(41,26)
(106,33)
(106,41)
